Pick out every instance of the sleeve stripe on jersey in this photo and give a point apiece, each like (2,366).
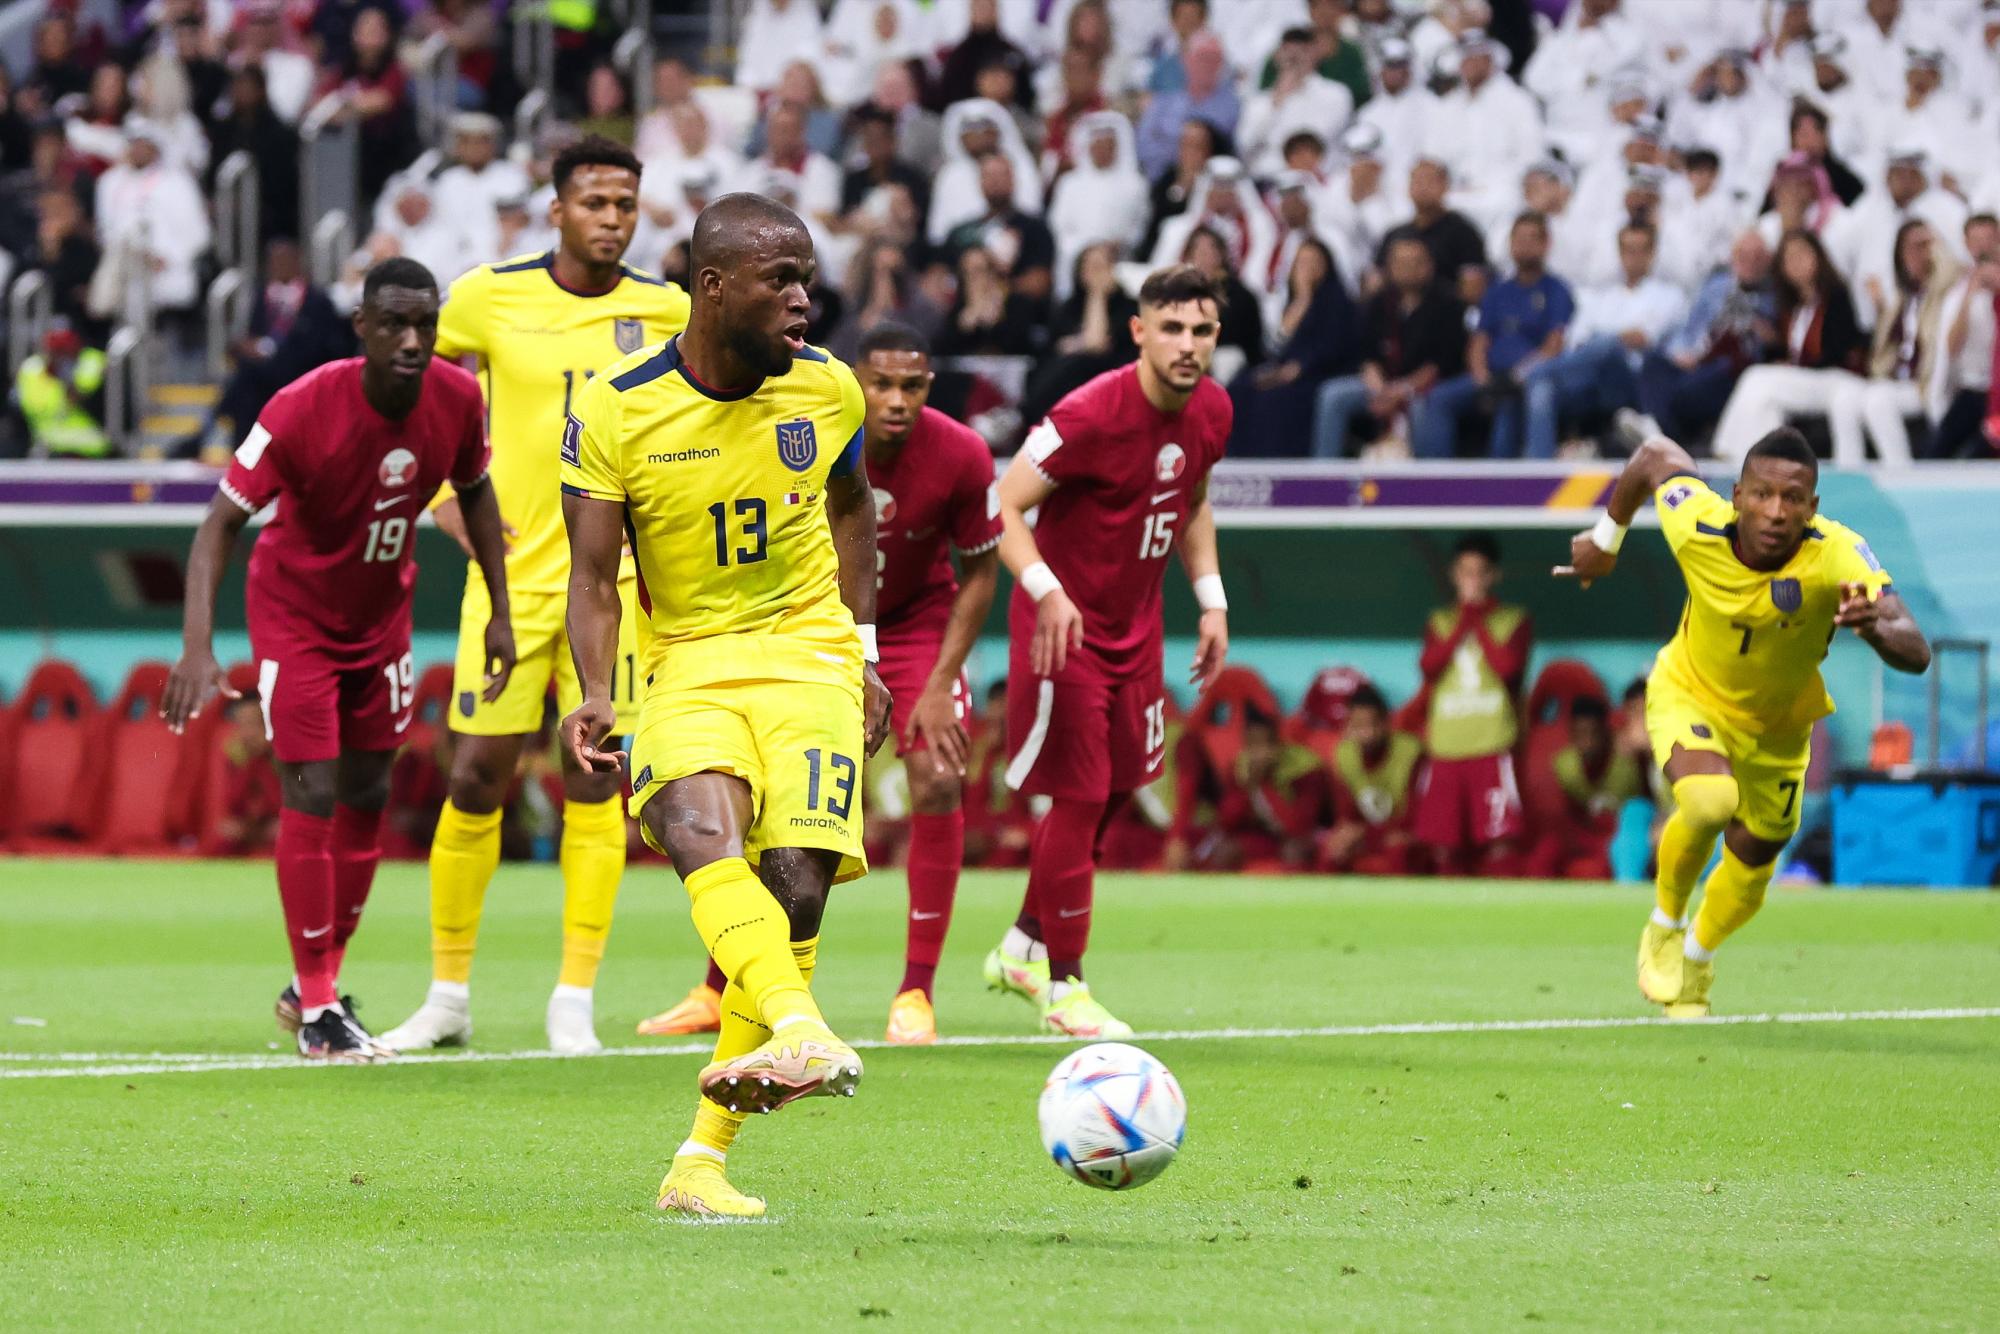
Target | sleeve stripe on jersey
(850,456)
(1710,530)
(474,484)
(238,498)
(983,547)
(569,490)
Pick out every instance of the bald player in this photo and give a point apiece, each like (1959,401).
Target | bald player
(732,456)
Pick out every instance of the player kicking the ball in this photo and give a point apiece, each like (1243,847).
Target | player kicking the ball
(541,325)
(350,452)
(1732,698)
(1119,471)
(933,484)
(732,454)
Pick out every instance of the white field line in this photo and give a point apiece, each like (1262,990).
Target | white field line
(110,1065)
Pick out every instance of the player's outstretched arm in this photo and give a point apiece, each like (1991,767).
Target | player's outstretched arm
(1203,561)
(1593,553)
(935,718)
(850,513)
(1886,624)
(485,538)
(1058,624)
(197,677)
(596,532)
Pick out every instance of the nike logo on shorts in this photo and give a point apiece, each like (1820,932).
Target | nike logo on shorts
(392,500)
(1165,495)
(1067,912)
(916,916)
(315,935)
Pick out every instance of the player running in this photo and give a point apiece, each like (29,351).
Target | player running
(1733,696)
(733,453)
(541,326)
(933,484)
(349,452)
(1119,471)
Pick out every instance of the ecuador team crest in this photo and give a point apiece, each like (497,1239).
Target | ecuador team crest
(631,334)
(1787,595)
(797,445)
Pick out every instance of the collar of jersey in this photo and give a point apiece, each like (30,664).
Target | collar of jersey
(671,356)
(547,261)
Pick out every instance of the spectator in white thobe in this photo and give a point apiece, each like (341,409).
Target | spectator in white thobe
(1571,67)
(1485,130)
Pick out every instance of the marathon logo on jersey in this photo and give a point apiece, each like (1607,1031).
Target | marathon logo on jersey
(1170,464)
(1787,595)
(398,467)
(885,506)
(1677,495)
(572,446)
(630,334)
(798,446)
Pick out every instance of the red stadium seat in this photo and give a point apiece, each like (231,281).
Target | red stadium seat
(51,724)
(1217,717)
(134,803)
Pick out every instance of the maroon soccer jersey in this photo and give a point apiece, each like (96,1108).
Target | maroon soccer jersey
(1126,477)
(333,570)
(937,490)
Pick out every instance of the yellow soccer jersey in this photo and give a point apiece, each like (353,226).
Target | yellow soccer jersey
(725,504)
(538,343)
(1750,641)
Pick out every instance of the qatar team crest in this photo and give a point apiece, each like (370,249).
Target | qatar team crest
(1787,595)
(631,334)
(1170,464)
(398,467)
(797,445)
(885,506)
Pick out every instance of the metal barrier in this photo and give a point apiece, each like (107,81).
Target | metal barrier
(530,114)
(237,211)
(436,86)
(332,243)
(534,46)
(633,58)
(228,316)
(329,161)
(127,381)
(30,307)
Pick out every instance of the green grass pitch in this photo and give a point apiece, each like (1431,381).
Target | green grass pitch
(1842,1173)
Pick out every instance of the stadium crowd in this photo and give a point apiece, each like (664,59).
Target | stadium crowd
(1448,227)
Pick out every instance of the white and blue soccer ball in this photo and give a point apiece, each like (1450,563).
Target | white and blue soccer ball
(1112,1116)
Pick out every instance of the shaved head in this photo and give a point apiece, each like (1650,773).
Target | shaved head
(742,228)
(752,263)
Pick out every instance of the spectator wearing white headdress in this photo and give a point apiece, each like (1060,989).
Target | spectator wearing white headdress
(150,214)
(1487,128)
(479,177)
(1929,113)
(972,129)
(1572,65)
(1727,103)
(1300,100)
(774,34)
(1250,32)
(1104,197)
(1785,58)
(1400,103)
(417,228)
(1680,36)
(861,37)
(1292,198)
(1879,36)
(1700,222)
(1356,210)
(1437,33)
(1600,205)
(809,176)
(1852,119)
(1224,201)
(1548,188)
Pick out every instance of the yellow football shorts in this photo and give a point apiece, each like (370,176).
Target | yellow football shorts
(1770,770)
(541,655)
(799,745)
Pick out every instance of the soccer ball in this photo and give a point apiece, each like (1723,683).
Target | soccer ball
(1112,1116)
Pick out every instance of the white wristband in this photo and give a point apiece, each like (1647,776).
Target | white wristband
(869,653)
(1039,580)
(1608,533)
(1208,594)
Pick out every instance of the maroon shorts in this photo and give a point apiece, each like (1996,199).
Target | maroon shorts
(909,653)
(1468,803)
(315,707)
(1085,740)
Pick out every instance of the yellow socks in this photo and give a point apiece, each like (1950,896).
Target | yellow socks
(715,1127)
(1734,894)
(750,940)
(1704,804)
(593,863)
(464,852)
